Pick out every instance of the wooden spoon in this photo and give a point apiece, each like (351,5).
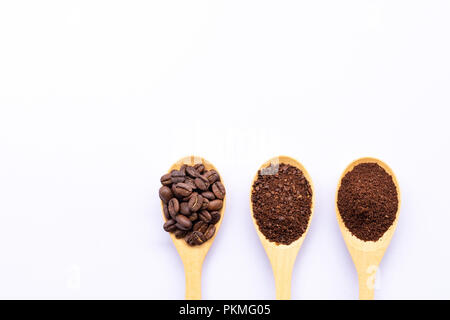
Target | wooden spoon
(282,257)
(367,255)
(193,256)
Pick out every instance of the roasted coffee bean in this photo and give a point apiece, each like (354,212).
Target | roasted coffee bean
(166,212)
(178,179)
(215,205)
(193,216)
(184,209)
(202,183)
(201,238)
(204,216)
(198,225)
(166,179)
(209,232)
(190,182)
(173,207)
(196,238)
(180,234)
(203,228)
(199,167)
(195,202)
(218,190)
(192,172)
(184,222)
(192,197)
(186,199)
(188,236)
(182,189)
(215,217)
(177,176)
(165,194)
(169,225)
(212,176)
(181,227)
(174,192)
(208,195)
(205,204)
(178,173)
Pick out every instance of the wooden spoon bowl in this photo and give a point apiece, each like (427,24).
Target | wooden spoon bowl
(367,255)
(193,256)
(282,257)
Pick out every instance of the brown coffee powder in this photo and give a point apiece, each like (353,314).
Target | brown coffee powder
(281,199)
(367,201)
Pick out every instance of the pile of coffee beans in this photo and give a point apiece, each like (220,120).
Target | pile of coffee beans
(281,200)
(192,198)
(367,201)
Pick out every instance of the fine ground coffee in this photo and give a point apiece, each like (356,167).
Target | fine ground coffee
(281,199)
(367,201)
(192,198)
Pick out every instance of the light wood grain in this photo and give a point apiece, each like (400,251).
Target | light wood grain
(282,257)
(367,255)
(193,256)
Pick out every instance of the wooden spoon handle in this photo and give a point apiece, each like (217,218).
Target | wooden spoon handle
(283,285)
(366,280)
(282,265)
(193,273)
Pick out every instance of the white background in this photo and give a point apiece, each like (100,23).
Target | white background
(99,98)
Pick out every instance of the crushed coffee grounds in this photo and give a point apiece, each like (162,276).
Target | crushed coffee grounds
(367,201)
(281,199)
